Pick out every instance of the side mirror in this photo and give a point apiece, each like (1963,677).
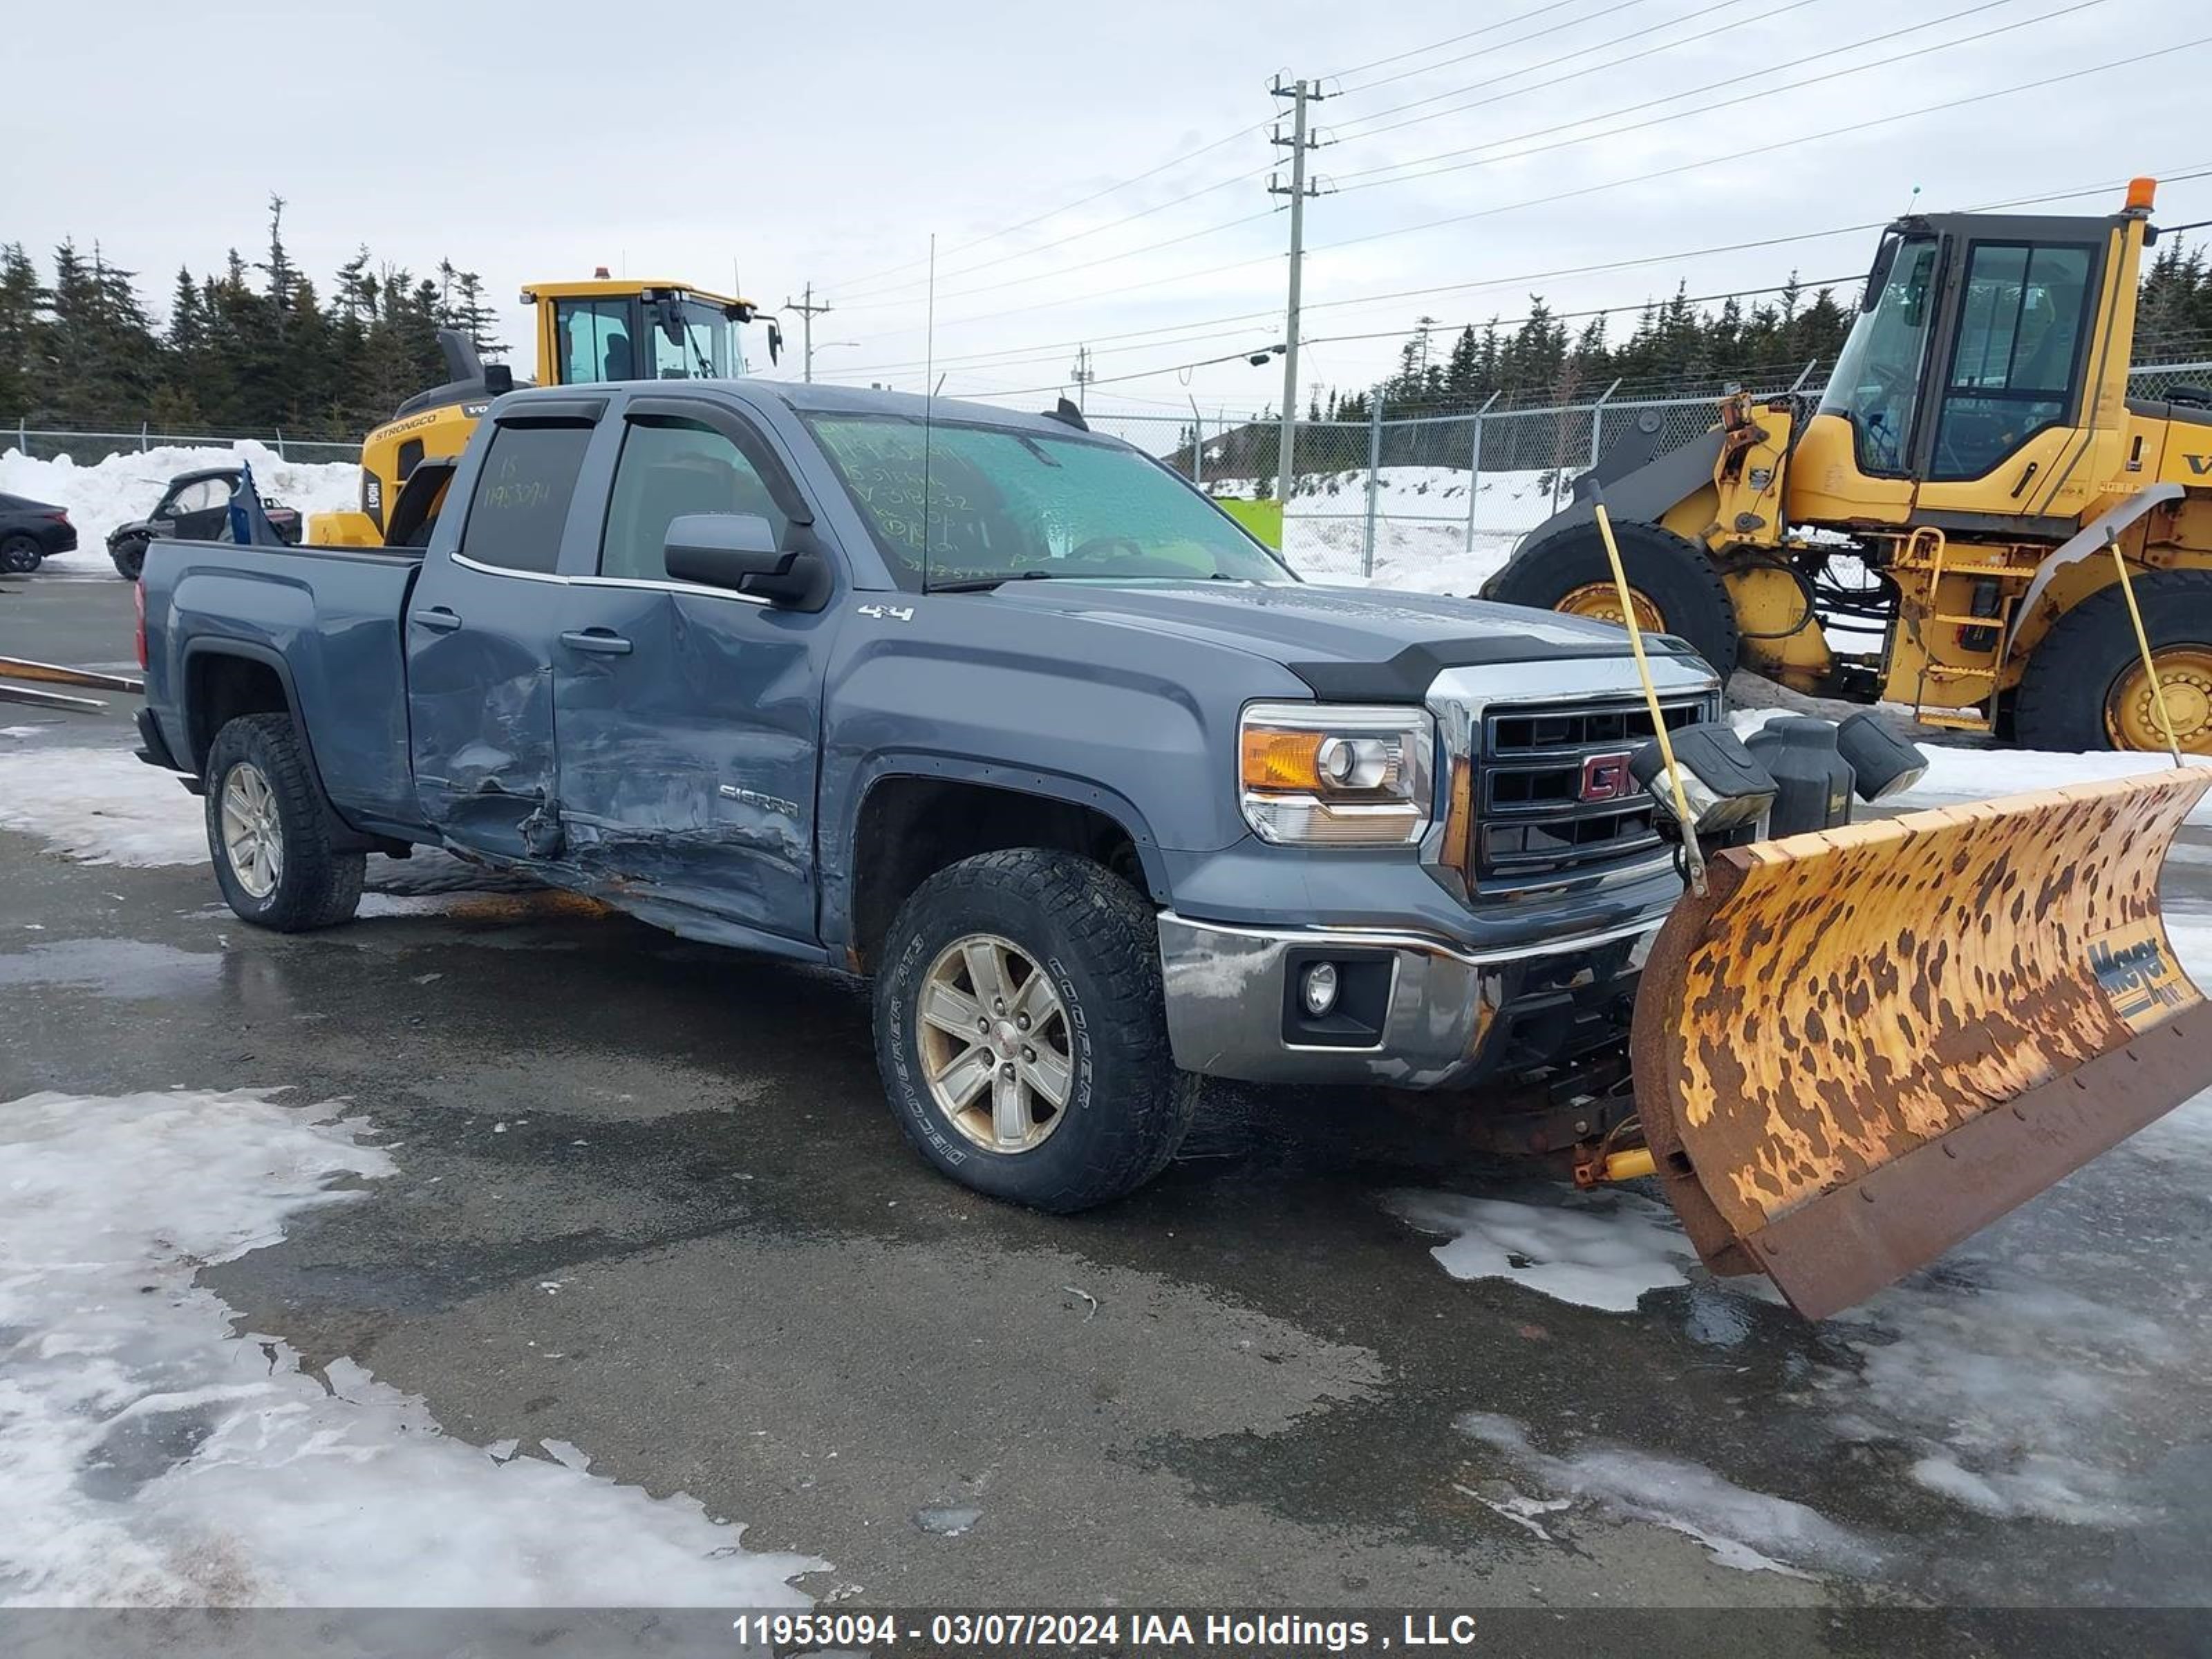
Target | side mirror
(775,343)
(498,378)
(723,549)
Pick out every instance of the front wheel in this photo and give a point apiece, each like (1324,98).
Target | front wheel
(129,559)
(1022,1032)
(268,833)
(21,555)
(2085,687)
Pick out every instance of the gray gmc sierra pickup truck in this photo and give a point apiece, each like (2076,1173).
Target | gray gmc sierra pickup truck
(992,708)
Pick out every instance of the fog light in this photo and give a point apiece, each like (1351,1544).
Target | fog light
(1318,988)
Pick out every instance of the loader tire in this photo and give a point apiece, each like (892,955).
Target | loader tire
(268,833)
(1680,583)
(2084,689)
(1093,942)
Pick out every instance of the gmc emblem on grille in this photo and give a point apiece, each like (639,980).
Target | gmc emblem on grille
(1606,777)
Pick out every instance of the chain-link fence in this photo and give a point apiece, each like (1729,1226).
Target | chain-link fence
(1438,501)
(90,448)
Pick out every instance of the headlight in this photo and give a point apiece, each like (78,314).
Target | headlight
(1314,776)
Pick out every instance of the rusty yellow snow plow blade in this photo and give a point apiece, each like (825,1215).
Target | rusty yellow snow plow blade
(1863,1044)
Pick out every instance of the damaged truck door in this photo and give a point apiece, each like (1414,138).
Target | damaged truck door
(479,639)
(687,711)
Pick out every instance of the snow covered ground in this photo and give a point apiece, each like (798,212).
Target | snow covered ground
(155,1456)
(1421,542)
(125,487)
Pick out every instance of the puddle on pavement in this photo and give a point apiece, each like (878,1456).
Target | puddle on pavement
(127,968)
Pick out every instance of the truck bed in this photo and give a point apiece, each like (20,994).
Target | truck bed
(328,621)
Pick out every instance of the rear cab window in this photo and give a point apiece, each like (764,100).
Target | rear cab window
(521,505)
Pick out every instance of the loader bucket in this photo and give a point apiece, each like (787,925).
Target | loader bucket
(1864,1044)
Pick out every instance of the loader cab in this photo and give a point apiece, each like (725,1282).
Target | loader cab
(1982,367)
(602,330)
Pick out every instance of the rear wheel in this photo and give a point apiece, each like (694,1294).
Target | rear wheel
(268,833)
(2086,689)
(21,555)
(1022,1032)
(1673,587)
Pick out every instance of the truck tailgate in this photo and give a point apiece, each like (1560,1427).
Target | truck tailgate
(328,621)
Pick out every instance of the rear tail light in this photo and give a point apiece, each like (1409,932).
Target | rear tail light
(138,603)
(59,515)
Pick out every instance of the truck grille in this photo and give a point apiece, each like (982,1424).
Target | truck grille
(1541,812)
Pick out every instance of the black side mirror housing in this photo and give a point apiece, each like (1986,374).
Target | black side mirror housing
(739,552)
(774,344)
(498,378)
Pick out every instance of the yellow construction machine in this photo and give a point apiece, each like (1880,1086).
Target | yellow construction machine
(605,329)
(1975,447)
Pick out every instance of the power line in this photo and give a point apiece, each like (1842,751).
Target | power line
(1080,201)
(1725,103)
(1564,57)
(1538,35)
(1733,156)
(1448,40)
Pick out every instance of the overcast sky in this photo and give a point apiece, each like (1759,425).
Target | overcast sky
(826,144)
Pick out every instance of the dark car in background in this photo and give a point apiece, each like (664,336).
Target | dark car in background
(32,532)
(196,507)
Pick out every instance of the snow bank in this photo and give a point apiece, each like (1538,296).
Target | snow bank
(1421,543)
(155,1457)
(125,487)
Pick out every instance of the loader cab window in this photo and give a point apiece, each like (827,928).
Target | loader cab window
(708,350)
(1876,385)
(2022,319)
(597,340)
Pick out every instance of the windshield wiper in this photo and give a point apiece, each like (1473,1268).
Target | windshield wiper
(981,584)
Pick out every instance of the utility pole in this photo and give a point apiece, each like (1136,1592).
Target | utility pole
(1300,93)
(1082,375)
(809,311)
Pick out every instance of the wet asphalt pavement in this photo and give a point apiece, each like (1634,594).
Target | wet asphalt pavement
(651,1202)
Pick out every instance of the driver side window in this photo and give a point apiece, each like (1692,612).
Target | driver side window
(669,467)
(2011,373)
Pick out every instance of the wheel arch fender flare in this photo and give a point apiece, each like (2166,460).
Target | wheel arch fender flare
(841,853)
(2089,539)
(344,836)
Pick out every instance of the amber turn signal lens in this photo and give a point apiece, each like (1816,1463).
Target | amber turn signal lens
(1281,760)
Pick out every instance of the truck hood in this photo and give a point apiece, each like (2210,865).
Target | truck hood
(1347,643)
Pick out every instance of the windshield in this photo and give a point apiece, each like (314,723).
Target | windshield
(1877,379)
(709,349)
(1006,504)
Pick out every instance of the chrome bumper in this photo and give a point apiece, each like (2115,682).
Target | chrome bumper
(1449,1018)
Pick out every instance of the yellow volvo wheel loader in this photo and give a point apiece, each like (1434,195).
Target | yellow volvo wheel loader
(1975,446)
(600,330)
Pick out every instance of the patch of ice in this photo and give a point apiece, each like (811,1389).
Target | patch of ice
(155,1457)
(947,1520)
(101,807)
(1598,1250)
(1686,1497)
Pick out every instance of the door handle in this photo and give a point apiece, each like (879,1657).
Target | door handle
(600,642)
(437,619)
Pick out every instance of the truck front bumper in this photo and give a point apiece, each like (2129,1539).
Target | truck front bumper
(1410,1012)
